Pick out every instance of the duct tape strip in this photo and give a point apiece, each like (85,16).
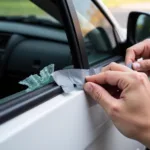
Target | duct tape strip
(73,79)
(68,79)
(130,65)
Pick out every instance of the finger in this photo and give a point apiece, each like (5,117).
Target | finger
(141,49)
(147,73)
(114,78)
(143,65)
(116,67)
(99,94)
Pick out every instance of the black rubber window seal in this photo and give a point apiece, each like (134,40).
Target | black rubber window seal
(27,101)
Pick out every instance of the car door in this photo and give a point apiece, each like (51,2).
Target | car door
(47,118)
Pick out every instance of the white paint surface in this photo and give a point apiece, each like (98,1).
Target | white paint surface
(66,122)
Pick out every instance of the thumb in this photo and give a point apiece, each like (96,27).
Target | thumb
(143,65)
(99,94)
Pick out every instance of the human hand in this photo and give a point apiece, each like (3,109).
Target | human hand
(137,51)
(130,112)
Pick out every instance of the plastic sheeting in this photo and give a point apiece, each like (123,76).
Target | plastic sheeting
(36,81)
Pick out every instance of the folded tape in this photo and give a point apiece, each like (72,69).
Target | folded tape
(68,79)
(73,79)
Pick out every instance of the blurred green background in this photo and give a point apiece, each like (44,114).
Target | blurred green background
(25,7)
(119,8)
(19,7)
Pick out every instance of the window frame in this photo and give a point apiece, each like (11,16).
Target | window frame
(27,101)
(18,105)
(74,33)
(108,18)
(116,36)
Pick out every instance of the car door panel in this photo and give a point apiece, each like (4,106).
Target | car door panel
(66,122)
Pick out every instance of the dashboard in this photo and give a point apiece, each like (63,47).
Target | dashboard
(25,49)
(30,47)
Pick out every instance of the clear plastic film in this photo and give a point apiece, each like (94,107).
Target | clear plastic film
(36,81)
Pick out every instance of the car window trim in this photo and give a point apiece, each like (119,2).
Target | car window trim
(72,28)
(27,101)
(74,34)
(117,39)
(77,25)
(32,99)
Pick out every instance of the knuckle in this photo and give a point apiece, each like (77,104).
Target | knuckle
(97,95)
(147,41)
(143,78)
(109,67)
(146,64)
(103,69)
(114,110)
(106,74)
(112,64)
(139,77)
(128,49)
(143,75)
(147,44)
(136,75)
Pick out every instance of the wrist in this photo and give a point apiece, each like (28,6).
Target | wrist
(145,139)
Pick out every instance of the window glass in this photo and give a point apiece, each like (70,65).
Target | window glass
(28,47)
(21,8)
(96,30)
(121,8)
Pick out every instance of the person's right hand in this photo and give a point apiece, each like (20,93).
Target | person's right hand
(137,51)
(130,112)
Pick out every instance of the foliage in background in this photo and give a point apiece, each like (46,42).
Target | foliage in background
(25,7)
(19,7)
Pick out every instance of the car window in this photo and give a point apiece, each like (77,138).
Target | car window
(96,30)
(22,8)
(31,42)
(121,8)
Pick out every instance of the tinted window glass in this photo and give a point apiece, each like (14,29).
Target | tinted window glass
(27,46)
(96,30)
(21,8)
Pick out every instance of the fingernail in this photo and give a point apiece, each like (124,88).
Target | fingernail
(87,77)
(139,60)
(88,87)
(136,65)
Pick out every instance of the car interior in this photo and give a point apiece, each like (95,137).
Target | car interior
(29,43)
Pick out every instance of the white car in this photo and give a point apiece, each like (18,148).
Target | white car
(78,34)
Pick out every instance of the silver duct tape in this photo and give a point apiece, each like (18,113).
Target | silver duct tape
(68,79)
(129,65)
(73,79)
